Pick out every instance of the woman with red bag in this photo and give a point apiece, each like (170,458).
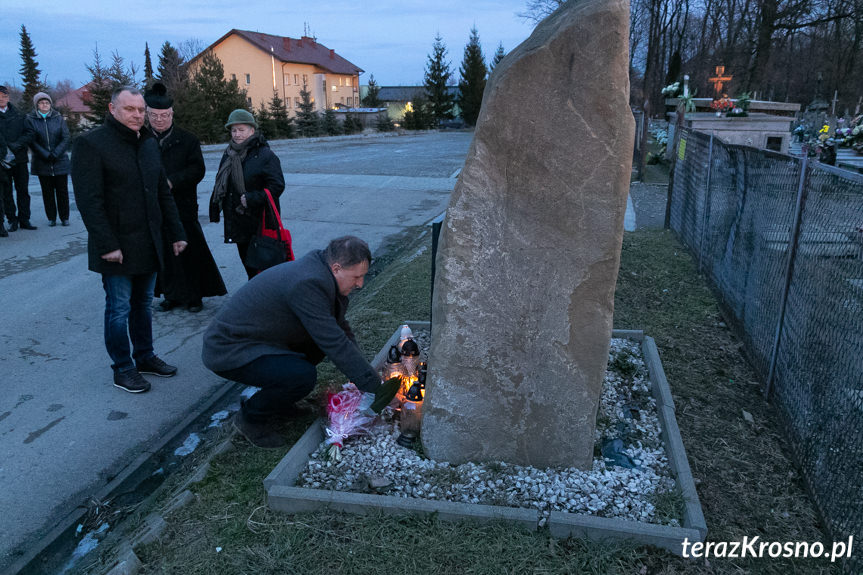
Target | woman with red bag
(247,168)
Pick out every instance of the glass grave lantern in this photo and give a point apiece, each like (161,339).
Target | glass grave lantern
(393,366)
(411,416)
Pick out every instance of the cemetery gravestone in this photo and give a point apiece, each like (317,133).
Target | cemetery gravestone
(530,247)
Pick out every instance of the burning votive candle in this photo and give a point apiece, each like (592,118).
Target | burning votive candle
(411,416)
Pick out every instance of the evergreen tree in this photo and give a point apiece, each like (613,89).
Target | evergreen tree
(498,56)
(281,126)
(29,70)
(472,82)
(148,66)
(171,71)
(384,123)
(420,115)
(372,99)
(99,89)
(119,74)
(331,125)
(437,77)
(265,122)
(210,100)
(349,126)
(308,124)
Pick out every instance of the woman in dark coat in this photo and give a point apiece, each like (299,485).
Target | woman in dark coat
(248,166)
(192,275)
(49,140)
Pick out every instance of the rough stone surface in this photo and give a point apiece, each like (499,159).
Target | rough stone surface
(530,248)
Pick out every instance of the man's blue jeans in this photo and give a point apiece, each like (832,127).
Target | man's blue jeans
(128,314)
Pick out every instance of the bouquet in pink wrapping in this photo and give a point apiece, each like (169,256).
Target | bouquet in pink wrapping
(349,414)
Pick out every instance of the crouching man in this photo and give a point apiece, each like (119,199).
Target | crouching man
(275,329)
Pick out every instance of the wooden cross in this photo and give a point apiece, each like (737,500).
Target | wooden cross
(719,80)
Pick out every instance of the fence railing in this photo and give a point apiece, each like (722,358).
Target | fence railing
(781,239)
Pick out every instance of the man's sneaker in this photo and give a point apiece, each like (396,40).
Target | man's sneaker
(131,381)
(258,434)
(155,366)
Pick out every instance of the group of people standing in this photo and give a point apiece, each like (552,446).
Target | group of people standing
(44,132)
(135,181)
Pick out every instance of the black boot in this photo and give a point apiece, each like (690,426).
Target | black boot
(3,232)
(26,225)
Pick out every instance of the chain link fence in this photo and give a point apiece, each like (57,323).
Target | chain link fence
(781,239)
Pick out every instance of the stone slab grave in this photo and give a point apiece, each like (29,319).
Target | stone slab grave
(530,247)
(283,494)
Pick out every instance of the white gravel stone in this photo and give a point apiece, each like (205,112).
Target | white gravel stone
(606,490)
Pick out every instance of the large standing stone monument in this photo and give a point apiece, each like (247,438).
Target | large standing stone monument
(529,251)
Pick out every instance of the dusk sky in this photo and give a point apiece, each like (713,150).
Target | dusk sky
(391,40)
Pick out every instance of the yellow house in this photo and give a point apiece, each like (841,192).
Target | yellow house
(262,63)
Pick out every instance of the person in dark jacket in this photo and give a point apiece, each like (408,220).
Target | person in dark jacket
(275,329)
(12,128)
(49,140)
(193,274)
(125,203)
(247,167)
(3,150)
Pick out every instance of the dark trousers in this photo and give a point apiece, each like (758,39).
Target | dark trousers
(128,314)
(283,379)
(242,249)
(55,196)
(19,176)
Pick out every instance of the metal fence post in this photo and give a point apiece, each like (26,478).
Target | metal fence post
(789,270)
(705,219)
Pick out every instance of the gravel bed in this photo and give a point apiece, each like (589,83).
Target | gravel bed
(629,478)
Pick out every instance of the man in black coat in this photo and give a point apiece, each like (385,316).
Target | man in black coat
(3,150)
(124,200)
(279,326)
(12,128)
(192,275)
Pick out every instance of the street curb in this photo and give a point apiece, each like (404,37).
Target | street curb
(120,484)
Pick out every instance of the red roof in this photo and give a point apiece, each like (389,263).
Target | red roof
(303,50)
(75,101)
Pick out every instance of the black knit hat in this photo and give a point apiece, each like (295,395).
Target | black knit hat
(157,97)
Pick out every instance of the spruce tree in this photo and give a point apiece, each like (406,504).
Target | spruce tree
(349,125)
(372,99)
(472,82)
(171,71)
(265,122)
(211,99)
(148,66)
(119,74)
(437,77)
(384,123)
(498,56)
(331,124)
(281,124)
(308,123)
(99,89)
(29,70)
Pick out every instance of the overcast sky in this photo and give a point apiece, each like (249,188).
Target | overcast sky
(389,39)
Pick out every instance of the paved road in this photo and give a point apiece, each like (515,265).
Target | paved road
(65,431)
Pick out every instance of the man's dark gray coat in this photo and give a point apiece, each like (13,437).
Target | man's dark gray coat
(124,199)
(290,309)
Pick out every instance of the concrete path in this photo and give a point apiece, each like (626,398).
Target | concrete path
(65,431)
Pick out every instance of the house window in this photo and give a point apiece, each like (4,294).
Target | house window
(305,79)
(249,101)
(287,80)
(233,76)
(296,102)
(287,102)
(335,88)
(349,81)
(343,100)
(248,79)
(340,81)
(350,101)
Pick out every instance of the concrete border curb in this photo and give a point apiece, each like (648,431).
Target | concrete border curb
(282,495)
